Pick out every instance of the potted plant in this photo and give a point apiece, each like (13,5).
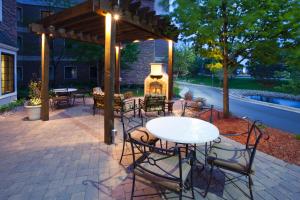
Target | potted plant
(33,105)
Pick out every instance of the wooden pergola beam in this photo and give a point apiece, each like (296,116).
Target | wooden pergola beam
(118,70)
(109,65)
(63,33)
(170,68)
(69,14)
(45,78)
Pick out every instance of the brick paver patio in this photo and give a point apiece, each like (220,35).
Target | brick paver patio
(66,158)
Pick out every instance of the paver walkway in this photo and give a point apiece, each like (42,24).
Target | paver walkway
(65,158)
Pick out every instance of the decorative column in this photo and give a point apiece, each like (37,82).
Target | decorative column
(170,68)
(109,76)
(118,70)
(45,78)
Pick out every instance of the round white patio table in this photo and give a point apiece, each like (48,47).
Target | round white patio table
(62,90)
(184,130)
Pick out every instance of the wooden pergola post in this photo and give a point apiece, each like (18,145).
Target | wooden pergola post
(118,65)
(170,68)
(45,78)
(109,76)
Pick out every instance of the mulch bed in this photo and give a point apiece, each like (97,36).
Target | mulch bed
(279,144)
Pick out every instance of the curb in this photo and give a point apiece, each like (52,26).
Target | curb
(238,97)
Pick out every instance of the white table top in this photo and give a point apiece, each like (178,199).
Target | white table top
(64,90)
(183,130)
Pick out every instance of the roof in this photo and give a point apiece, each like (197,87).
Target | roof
(86,22)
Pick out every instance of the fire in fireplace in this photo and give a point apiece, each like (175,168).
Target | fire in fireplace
(157,81)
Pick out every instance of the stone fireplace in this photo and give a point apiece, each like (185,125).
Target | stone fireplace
(157,81)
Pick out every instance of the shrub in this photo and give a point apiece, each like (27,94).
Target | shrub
(11,106)
(35,93)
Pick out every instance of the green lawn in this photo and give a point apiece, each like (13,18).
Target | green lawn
(236,83)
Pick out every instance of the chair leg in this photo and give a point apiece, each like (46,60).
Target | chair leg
(160,143)
(205,156)
(133,184)
(180,194)
(122,152)
(192,184)
(250,186)
(209,180)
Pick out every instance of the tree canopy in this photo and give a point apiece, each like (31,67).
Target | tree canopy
(231,32)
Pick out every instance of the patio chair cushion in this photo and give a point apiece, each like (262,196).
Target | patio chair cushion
(170,165)
(97,90)
(139,135)
(229,157)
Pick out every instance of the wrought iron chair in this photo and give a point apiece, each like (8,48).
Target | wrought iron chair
(62,98)
(199,105)
(237,160)
(80,94)
(119,103)
(133,125)
(162,167)
(201,108)
(152,103)
(98,101)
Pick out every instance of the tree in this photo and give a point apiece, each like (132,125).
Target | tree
(184,60)
(86,52)
(230,31)
(58,51)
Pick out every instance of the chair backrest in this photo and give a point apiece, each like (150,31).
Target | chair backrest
(118,99)
(140,147)
(98,100)
(131,123)
(128,95)
(254,136)
(97,90)
(154,102)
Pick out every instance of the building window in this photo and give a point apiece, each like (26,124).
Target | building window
(0,10)
(45,13)
(7,73)
(20,42)
(70,72)
(19,73)
(19,14)
(93,72)
(51,73)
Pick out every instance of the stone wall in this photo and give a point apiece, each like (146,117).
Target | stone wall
(8,25)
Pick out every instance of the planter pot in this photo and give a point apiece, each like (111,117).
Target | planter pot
(33,112)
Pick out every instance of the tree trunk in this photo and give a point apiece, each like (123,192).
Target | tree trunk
(225,60)
(225,90)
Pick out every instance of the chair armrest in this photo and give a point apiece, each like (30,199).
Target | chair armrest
(233,134)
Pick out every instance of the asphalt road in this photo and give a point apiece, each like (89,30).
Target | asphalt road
(273,117)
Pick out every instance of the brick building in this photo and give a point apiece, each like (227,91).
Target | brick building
(64,68)
(8,51)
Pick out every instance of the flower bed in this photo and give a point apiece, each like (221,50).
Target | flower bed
(280,144)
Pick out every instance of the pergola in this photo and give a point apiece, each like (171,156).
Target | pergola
(105,22)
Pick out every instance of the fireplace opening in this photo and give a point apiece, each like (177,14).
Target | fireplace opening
(156,88)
